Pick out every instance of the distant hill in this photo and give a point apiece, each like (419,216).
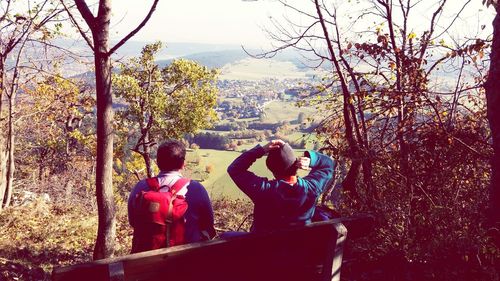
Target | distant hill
(175,49)
(133,48)
(212,59)
(220,56)
(251,69)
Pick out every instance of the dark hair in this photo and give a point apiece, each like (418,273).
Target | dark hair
(170,155)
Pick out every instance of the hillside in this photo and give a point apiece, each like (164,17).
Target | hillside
(259,69)
(216,59)
(218,56)
(234,62)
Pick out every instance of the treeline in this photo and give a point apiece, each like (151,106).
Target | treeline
(240,126)
(209,140)
(232,126)
(264,126)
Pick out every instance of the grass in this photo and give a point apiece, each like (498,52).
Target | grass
(277,111)
(237,101)
(258,69)
(41,235)
(218,183)
(309,138)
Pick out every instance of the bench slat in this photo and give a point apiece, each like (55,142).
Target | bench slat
(312,252)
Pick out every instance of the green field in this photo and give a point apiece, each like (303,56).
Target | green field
(277,111)
(218,182)
(310,138)
(260,69)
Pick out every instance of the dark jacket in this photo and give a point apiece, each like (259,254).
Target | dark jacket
(277,203)
(199,215)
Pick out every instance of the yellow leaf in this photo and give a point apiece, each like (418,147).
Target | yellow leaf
(412,35)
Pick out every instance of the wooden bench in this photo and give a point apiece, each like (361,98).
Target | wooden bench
(312,252)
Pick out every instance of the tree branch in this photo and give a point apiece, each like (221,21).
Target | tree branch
(86,13)
(146,19)
(73,20)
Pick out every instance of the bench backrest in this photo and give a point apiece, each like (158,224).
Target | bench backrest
(312,252)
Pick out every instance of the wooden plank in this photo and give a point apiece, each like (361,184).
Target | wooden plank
(300,253)
(116,271)
(338,252)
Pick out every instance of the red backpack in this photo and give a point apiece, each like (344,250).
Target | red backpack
(161,217)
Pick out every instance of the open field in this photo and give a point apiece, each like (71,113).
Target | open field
(310,138)
(277,111)
(237,101)
(218,182)
(260,69)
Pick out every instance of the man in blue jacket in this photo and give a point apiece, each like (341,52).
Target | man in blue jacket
(199,216)
(288,199)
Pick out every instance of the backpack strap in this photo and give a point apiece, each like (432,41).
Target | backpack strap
(153,183)
(178,185)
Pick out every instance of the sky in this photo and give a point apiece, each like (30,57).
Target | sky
(203,21)
(240,22)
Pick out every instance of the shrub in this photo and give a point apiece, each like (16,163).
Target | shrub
(209,168)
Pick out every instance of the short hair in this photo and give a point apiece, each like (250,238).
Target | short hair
(170,155)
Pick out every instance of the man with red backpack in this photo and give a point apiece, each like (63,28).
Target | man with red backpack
(169,209)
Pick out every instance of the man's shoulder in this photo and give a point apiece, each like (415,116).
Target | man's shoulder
(142,184)
(196,192)
(194,184)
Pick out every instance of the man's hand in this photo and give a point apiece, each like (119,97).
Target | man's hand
(274,144)
(304,162)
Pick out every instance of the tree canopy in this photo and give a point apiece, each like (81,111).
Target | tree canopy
(161,103)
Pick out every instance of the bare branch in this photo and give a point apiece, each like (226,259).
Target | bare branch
(75,23)
(146,19)
(294,43)
(297,10)
(454,19)
(6,11)
(427,37)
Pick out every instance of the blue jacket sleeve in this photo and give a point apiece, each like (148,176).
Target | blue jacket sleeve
(251,184)
(321,171)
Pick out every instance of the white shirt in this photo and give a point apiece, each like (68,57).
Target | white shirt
(168,179)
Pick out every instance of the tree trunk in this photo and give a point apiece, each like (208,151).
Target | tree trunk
(40,168)
(106,232)
(3,171)
(3,146)
(99,25)
(147,155)
(492,88)
(104,167)
(10,152)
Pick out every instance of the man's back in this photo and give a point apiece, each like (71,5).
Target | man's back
(199,215)
(278,203)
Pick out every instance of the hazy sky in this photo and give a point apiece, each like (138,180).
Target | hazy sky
(239,21)
(203,21)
